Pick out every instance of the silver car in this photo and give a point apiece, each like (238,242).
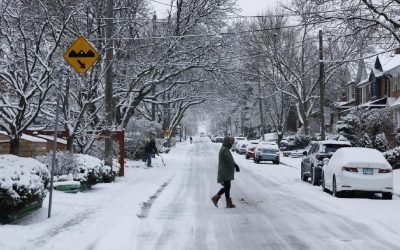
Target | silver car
(267,153)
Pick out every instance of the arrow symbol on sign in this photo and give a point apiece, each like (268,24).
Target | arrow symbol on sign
(82,64)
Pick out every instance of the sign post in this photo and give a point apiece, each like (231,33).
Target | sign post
(81,56)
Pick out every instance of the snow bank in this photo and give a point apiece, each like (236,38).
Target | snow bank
(21,180)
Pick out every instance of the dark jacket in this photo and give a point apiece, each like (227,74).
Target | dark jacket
(151,147)
(226,164)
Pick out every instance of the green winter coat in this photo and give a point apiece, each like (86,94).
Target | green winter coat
(226,164)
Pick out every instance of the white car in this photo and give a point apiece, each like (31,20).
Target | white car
(235,143)
(241,147)
(357,169)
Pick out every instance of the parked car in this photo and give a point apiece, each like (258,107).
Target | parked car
(241,147)
(250,149)
(267,153)
(297,153)
(311,165)
(213,138)
(219,139)
(237,139)
(358,169)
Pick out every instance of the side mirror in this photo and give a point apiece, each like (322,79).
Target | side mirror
(305,153)
(326,161)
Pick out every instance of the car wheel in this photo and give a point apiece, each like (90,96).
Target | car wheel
(387,196)
(314,180)
(303,177)
(335,193)
(323,183)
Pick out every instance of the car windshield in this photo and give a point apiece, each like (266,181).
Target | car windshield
(269,150)
(331,148)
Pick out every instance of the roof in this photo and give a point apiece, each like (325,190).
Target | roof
(51,138)
(379,103)
(27,138)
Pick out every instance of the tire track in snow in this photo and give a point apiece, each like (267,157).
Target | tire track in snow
(147,205)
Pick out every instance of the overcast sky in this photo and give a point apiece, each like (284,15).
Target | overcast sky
(249,7)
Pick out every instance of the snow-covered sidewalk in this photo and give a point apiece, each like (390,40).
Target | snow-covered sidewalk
(101,218)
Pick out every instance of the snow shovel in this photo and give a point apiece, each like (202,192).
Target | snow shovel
(162,159)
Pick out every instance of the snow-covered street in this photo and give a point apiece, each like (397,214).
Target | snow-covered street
(170,208)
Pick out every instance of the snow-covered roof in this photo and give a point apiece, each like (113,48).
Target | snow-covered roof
(51,138)
(393,101)
(389,61)
(27,137)
(32,138)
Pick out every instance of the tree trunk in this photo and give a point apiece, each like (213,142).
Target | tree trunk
(70,143)
(14,146)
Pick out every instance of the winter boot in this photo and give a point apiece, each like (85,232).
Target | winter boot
(215,199)
(229,203)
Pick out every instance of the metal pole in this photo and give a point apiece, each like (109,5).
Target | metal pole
(53,162)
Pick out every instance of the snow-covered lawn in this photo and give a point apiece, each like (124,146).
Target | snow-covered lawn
(100,218)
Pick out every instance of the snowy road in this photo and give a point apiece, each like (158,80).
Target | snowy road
(274,211)
(170,208)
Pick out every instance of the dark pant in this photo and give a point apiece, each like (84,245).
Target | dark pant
(226,189)
(148,157)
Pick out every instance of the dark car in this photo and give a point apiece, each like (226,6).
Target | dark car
(312,163)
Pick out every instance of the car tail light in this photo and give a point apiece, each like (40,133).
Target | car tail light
(384,170)
(350,169)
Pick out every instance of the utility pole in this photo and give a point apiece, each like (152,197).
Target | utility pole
(153,87)
(321,85)
(108,96)
(260,103)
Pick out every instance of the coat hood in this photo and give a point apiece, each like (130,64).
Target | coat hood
(228,142)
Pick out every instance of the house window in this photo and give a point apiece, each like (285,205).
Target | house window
(397,117)
(351,93)
(363,96)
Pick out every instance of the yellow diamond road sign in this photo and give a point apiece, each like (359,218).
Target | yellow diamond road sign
(81,55)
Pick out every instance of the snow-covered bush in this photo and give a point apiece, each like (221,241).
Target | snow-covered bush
(22,180)
(361,122)
(64,165)
(299,141)
(393,157)
(380,142)
(86,169)
(91,170)
(365,141)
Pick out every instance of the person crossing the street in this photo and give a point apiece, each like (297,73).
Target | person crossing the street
(226,172)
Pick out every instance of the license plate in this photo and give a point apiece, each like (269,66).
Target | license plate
(368,171)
